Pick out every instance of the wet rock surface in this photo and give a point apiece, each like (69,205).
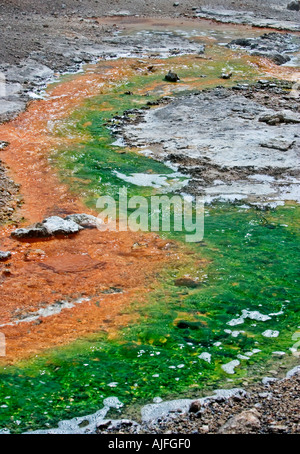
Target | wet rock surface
(233,136)
(275,46)
(64,45)
(156,43)
(273,14)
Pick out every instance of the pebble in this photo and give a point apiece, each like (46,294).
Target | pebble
(4,255)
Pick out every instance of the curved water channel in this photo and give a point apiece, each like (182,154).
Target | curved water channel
(138,315)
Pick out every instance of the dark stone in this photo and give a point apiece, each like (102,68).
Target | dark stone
(84,423)
(153,103)
(226,75)
(186,282)
(182,324)
(280,59)
(195,406)
(3,144)
(243,42)
(294,6)
(171,77)
(35,231)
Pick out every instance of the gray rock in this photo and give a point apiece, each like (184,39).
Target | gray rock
(3,144)
(29,70)
(187,282)
(83,424)
(292,372)
(279,59)
(268,380)
(12,89)
(278,144)
(280,117)
(53,225)
(153,411)
(10,109)
(294,6)
(265,395)
(277,428)
(244,422)
(84,220)
(246,17)
(4,255)
(35,231)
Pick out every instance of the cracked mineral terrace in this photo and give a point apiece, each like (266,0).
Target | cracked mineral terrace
(236,147)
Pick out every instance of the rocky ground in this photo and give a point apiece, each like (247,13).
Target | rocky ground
(39,39)
(270,407)
(56,33)
(10,197)
(216,154)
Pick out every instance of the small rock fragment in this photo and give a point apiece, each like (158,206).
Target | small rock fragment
(4,255)
(244,422)
(171,77)
(186,282)
(226,75)
(3,144)
(294,6)
(195,406)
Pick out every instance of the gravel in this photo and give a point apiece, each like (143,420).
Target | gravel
(267,408)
